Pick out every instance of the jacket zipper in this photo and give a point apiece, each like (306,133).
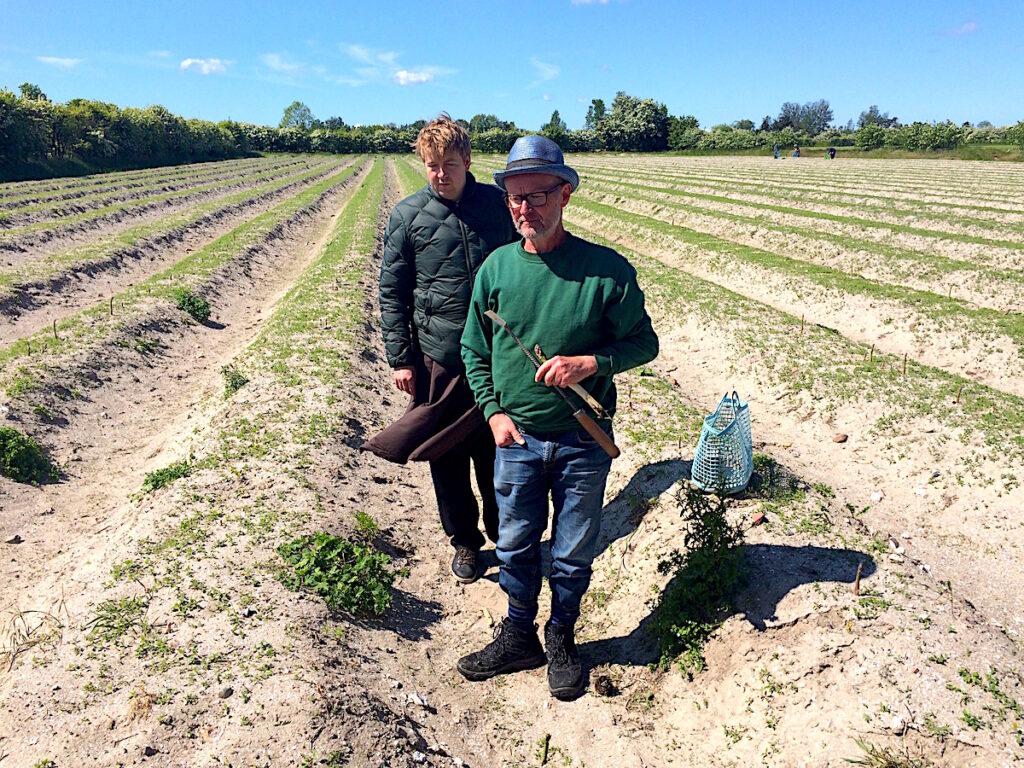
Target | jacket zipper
(465,250)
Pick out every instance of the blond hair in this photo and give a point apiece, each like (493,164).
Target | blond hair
(441,135)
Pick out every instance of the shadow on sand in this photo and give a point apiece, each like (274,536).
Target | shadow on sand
(772,571)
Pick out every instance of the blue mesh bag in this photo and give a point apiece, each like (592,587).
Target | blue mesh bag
(724,459)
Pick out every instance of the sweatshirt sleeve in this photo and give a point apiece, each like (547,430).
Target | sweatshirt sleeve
(628,323)
(476,348)
(397,279)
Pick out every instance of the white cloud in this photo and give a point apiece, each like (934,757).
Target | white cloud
(968,28)
(279,63)
(546,97)
(379,66)
(56,61)
(159,54)
(405,77)
(204,66)
(544,70)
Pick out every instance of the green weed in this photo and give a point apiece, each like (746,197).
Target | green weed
(192,304)
(349,576)
(22,460)
(886,757)
(704,581)
(165,476)
(234,379)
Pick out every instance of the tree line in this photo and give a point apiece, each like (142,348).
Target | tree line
(41,138)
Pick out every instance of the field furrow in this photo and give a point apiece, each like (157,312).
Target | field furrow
(27,236)
(147,610)
(939,266)
(109,197)
(48,289)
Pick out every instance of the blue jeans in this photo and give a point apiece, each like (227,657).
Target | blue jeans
(573,469)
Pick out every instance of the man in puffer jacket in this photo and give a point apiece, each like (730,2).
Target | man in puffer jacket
(436,240)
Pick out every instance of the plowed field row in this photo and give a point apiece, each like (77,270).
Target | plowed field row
(63,206)
(951,180)
(21,190)
(20,237)
(883,580)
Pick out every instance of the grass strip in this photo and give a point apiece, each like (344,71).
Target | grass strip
(59,206)
(853,221)
(19,190)
(834,371)
(73,331)
(908,264)
(948,313)
(98,251)
(96,213)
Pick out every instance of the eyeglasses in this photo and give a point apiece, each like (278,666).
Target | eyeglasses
(534,199)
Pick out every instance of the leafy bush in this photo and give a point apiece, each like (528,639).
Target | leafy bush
(22,460)
(166,476)
(349,576)
(234,380)
(196,306)
(705,580)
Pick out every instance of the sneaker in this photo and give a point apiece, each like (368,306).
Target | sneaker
(565,673)
(512,649)
(464,565)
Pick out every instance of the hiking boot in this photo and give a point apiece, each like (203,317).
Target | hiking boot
(512,649)
(464,565)
(565,673)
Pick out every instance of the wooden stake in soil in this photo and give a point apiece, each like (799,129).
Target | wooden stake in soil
(871,355)
(801,325)
(111,306)
(856,582)
(961,389)
(55,336)
(904,365)
(544,754)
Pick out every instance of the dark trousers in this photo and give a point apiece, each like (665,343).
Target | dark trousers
(460,514)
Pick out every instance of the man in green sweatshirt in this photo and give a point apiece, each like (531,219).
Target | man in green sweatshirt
(580,304)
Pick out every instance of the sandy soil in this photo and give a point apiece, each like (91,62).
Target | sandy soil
(258,675)
(36,304)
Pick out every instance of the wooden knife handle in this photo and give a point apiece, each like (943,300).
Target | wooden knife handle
(597,433)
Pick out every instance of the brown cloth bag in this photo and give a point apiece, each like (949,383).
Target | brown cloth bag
(440,416)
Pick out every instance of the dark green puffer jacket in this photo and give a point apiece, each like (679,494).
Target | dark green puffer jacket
(432,250)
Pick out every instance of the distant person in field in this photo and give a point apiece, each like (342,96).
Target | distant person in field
(435,242)
(579,302)
(831,153)
(796,150)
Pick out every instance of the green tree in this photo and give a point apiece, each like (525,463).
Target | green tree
(683,132)
(555,125)
(595,113)
(815,117)
(32,92)
(634,125)
(297,115)
(481,123)
(743,125)
(870,136)
(873,116)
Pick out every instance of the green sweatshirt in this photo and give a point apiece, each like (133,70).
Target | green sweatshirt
(580,299)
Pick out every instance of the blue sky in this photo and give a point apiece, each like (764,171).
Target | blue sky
(386,61)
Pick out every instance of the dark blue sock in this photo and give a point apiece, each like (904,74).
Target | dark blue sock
(522,616)
(561,617)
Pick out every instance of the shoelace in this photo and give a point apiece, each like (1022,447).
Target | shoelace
(559,650)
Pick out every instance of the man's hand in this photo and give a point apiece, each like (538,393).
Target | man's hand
(561,371)
(405,379)
(504,431)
